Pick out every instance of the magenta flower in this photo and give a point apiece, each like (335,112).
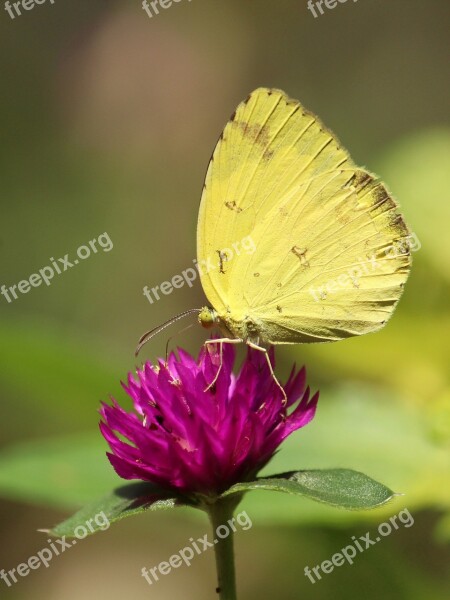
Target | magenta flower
(191,440)
(202,448)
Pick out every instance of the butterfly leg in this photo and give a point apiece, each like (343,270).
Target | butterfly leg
(220,341)
(266,354)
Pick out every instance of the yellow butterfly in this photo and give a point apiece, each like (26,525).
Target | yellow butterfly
(331,252)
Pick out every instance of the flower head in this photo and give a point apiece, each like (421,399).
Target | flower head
(194,440)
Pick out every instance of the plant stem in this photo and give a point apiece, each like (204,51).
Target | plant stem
(220,513)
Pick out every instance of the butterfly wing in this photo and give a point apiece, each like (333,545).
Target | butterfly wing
(295,237)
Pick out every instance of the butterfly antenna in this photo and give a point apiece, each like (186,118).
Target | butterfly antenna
(150,334)
(172,336)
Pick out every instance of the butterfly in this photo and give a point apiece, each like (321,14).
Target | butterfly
(331,253)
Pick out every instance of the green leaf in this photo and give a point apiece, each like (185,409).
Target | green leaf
(126,501)
(342,488)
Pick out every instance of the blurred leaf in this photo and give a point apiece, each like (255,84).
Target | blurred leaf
(61,381)
(443,529)
(61,472)
(126,501)
(341,488)
(370,431)
(407,354)
(440,417)
(417,169)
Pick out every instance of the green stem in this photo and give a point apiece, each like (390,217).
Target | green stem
(220,513)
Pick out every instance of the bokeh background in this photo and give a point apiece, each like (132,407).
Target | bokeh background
(108,119)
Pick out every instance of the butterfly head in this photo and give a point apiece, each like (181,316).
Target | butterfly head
(208,317)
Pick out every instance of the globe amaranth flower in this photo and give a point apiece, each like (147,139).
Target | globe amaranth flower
(193,440)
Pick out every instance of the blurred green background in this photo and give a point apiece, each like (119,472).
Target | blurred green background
(108,119)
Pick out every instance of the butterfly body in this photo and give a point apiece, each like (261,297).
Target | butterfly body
(242,328)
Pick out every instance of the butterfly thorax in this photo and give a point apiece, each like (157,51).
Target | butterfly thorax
(244,329)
